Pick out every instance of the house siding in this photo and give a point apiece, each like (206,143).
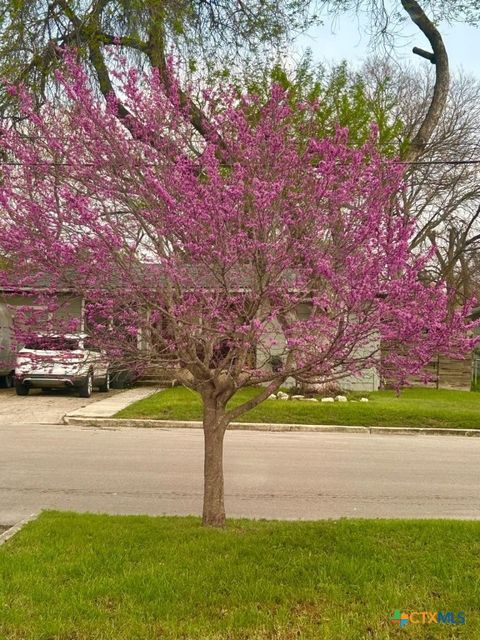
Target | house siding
(367,380)
(72,306)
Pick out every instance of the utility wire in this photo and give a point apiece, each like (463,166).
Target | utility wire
(153,164)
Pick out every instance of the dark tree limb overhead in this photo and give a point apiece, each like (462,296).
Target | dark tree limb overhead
(439,58)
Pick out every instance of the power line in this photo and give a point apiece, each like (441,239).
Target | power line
(434,162)
(153,164)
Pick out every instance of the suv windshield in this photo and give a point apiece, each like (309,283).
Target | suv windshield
(52,343)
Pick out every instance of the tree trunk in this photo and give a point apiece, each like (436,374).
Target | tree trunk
(214,426)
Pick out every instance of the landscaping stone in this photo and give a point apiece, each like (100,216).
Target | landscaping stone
(310,399)
(281,395)
(298,397)
(363,399)
(272,396)
(341,398)
(328,400)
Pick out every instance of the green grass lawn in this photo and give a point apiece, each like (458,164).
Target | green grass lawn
(414,408)
(86,577)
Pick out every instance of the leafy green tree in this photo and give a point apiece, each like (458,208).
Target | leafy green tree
(209,34)
(343,100)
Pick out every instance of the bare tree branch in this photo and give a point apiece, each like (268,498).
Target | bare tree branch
(442,78)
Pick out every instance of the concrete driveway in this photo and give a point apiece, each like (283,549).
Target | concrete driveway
(41,408)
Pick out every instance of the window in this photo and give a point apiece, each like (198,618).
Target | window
(52,343)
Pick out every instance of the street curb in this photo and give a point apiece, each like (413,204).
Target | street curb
(9,533)
(114,423)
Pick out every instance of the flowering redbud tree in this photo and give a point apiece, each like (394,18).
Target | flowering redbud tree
(209,255)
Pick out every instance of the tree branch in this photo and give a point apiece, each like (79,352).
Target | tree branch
(253,402)
(442,79)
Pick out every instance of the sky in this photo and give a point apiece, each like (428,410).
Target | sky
(346,38)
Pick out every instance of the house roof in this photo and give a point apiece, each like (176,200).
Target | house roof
(236,278)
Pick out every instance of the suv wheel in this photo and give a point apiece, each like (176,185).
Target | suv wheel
(21,389)
(87,387)
(105,386)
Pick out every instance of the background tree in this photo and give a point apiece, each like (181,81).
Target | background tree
(353,100)
(429,121)
(443,192)
(298,247)
(207,33)
(385,17)
(212,35)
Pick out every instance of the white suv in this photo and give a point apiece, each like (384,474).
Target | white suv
(61,361)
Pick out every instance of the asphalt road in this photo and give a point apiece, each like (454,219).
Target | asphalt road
(268,475)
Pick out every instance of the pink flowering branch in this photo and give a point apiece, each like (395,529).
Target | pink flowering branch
(296,248)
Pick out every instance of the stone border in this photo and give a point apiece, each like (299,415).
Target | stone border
(114,423)
(9,533)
